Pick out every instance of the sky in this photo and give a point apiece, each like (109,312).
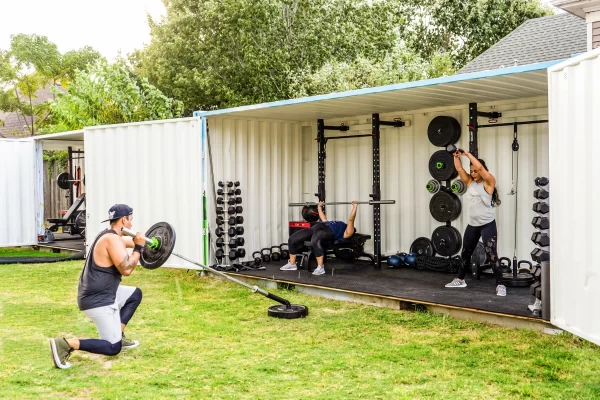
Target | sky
(109,26)
(106,25)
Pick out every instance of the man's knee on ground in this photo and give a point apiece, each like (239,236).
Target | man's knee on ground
(115,348)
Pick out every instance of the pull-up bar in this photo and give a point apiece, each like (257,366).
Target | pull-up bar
(335,203)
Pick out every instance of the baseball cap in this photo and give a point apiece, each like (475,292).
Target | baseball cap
(118,211)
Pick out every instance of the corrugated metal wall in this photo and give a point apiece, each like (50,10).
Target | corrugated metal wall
(17,192)
(154,167)
(574,235)
(266,158)
(276,163)
(405,154)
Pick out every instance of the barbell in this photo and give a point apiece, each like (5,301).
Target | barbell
(160,242)
(336,203)
(65,180)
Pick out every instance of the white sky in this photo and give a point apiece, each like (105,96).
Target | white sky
(106,25)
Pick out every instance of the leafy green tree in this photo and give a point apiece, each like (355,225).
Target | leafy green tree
(31,64)
(109,94)
(464,28)
(223,53)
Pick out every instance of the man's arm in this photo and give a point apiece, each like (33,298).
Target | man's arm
(321,213)
(350,228)
(117,252)
(128,242)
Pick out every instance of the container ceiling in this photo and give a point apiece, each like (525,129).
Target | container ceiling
(479,87)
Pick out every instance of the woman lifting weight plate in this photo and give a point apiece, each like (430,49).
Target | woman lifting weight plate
(481,198)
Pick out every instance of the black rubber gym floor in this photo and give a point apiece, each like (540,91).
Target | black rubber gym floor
(408,284)
(66,241)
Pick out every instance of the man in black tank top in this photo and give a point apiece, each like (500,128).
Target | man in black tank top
(101,296)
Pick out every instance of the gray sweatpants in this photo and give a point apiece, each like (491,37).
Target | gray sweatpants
(108,318)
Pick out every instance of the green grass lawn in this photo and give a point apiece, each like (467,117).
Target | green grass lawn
(207,338)
(27,252)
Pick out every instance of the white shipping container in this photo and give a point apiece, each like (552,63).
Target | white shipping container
(574,104)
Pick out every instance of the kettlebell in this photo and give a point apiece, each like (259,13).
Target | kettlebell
(275,253)
(266,257)
(257,258)
(525,269)
(285,252)
(505,265)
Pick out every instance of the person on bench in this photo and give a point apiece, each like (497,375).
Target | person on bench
(321,231)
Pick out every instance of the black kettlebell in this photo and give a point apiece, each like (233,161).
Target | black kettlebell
(505,265)
(525,269)
(275,253)
(266,257)
(257,258)
(285,253)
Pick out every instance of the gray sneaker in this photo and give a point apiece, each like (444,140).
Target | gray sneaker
(457,283)
(128,343)
(501,290)
(319,271)
(289,267)
(60,351)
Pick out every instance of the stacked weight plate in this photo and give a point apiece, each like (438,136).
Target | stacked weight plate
(445,205)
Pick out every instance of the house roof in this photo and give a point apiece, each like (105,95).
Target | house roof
(556,37)
(14,124)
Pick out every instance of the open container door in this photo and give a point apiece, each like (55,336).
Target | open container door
(574,104)
(19,184)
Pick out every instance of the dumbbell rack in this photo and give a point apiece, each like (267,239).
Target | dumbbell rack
(229,229)
(541,254)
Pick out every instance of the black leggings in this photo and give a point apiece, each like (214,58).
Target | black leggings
(489,233)
(316,234)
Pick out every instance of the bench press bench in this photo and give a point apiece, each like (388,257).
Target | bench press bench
(350,249)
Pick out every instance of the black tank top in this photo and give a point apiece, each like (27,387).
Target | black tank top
(97,285)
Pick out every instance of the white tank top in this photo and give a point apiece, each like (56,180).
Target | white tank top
(479,202)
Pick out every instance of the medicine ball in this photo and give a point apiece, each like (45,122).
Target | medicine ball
(402,258)
(394,262)
(410,259)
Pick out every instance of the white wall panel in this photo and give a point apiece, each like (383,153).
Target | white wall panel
(266,158)
(18,192)
(405,154)
(574,93)
(154,167)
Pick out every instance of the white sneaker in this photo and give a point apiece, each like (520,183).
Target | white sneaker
(289,267)
(457,283)
(501,290)
(319,270)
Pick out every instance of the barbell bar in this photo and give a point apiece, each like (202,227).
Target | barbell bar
(335,203)
(157,244)
(65,180)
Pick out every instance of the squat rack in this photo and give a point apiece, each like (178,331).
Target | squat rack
(376,201)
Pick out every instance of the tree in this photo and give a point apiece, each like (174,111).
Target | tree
(224,53)
(464,28)
(109,94)
(31,64)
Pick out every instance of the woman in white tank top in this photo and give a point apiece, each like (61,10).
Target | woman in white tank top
(480,199)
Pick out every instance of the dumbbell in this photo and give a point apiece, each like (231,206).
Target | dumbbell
(220,220)
(541,208)
(231,210)
(220,231)
(275,253)
(541,239)
(233,243)
(231,231)
(541,223)
(541,181)
(230,192)
(220,242)
(266,257)
(231,201)
(220,192)
(238,192)
(236,184)
(241,253)
(453,149)
(219,254)
(232,254)
(240,240)
(232,220)
(541,194)
(239,209)
(220,211)
(222,184)
(239,230)
(239,220)
(539,255)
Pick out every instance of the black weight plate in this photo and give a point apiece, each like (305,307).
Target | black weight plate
(479,255)
(444,206)
(422,247)
(165,233)
(295,311)
(443,130)
(310,213)
(523,279)
(446,241)
(80,223)
(441,166)
(62,180)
